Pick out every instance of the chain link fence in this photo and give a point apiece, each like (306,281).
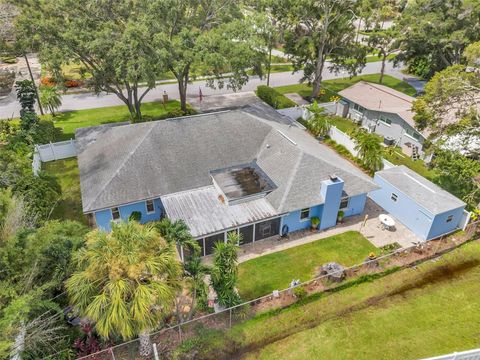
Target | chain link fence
(169,338)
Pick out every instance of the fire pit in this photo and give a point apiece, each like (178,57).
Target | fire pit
(335,272)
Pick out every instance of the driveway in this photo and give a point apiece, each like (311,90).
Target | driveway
(89,100)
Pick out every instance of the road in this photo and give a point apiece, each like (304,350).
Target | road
(9,107)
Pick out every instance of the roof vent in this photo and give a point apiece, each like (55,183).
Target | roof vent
(333,177)
(268,146)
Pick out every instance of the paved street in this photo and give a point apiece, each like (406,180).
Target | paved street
(9,107)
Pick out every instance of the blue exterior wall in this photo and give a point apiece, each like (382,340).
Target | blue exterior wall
(440,225)
(356,205)
(292,220)
(424,224)
(104,217)
(332,194)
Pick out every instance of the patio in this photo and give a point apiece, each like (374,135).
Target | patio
(372,229)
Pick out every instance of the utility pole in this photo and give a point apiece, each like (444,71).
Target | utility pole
(33,81)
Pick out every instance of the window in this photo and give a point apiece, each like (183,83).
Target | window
(385,120)
(413,134)
(267,228)
(115,213)
(449,218)
(305,214)
(394,197)
(150,207)
(344,203)
(358,108)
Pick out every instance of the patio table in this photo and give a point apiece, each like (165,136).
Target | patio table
(387,221)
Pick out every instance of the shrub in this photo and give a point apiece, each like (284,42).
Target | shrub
(135,216)
(315,221)
(47,81)
(45,131)
(300,292)
(72,83)
(273,98)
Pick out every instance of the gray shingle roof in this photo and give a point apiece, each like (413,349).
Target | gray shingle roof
(125,164)
(425,193)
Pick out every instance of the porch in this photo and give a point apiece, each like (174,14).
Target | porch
(372,229)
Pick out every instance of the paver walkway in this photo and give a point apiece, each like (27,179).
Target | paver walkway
(372,231)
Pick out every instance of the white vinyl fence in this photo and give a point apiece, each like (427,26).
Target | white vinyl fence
(464,355)
(343,139)
(464,220)
(52,151)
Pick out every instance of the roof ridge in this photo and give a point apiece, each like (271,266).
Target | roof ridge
(121,166)
(388,92)
(290,181)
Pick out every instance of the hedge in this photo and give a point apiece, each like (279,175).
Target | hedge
(273,98)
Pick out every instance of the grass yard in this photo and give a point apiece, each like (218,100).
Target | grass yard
(334,86)
(414,313)
(260,276)
(70,205)
(411,314)
(399,158)
(72,120)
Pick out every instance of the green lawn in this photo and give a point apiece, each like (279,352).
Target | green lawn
(72,120)
(399,158)
(375,58)
(70,205)
(334,86)
(260,276)
(411,314)
(414,313)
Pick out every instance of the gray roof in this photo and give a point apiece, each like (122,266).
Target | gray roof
(425,193)
(205,214)
(124,164)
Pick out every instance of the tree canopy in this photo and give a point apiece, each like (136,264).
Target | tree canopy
(317,31)
(434,33)
(112,41)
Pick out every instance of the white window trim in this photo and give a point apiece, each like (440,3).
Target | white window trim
(119,214)
(146,207)
(411,137)
(308,217)
(383,122)
(348,202)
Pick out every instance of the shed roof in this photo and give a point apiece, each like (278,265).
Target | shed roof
(425,193)
(381,98)
(125,164)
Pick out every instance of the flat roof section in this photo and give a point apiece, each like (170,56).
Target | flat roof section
(240,181)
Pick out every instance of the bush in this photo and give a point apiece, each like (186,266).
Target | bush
(47,81)
(45,131)
(135,216)
(273,98)
(300,292)
(72,83)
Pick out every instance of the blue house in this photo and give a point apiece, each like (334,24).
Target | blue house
(417,203)
(241,170)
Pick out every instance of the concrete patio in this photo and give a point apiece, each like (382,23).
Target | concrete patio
(371,228)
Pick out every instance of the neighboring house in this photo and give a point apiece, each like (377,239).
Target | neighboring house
(417,203)
(384,111)
(219,172)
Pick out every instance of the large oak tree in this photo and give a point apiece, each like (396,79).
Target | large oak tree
(317,31)
(111,39)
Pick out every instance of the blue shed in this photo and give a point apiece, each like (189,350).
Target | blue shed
(420,205)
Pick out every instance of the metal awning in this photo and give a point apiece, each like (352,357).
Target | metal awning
(204,212)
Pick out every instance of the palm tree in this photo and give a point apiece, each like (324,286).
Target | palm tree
(195,271)
(370,150)
(318,122)
(225,272)
(50,97)
(126,282)
(177,232)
